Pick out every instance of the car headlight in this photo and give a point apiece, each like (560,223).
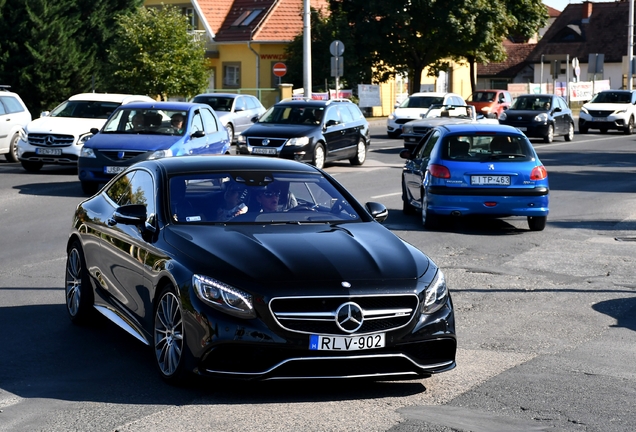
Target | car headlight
(503,116)
(23,135)
(407,129)
(160,154)
(435,294)
(241,139)
(584,110)
(223,297)
(299,141)
(392,116)
(620,111)
(541,118)
(83,138)
(87,152)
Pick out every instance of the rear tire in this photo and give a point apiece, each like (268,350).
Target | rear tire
(12,156)
(430,220)
(32,166)
(361,153)
(537,223)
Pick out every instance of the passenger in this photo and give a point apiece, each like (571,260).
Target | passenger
(268,199)
(232,204)
(138,122)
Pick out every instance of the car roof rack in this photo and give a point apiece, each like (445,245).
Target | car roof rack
(4,87)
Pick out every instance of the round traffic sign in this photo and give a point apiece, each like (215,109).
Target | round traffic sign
(336,48)
(279,69)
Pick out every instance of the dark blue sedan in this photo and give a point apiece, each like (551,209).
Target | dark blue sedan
(475,169)
(540,116)
(149,130)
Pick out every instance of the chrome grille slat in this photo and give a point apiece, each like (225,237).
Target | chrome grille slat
(50,140)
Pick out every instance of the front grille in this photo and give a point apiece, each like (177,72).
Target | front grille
(272,142)
(317,315)
(120,155)
(404,120)
(421,130)
(50,140)
(599,113)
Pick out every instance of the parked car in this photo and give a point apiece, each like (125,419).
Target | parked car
(540,116)
(314,131)
(413,131)
(316,289)
(490,103)
(475,169)
(14,116)
(236,111)
(414,106)
(57,137)
(149,130)
(609,109)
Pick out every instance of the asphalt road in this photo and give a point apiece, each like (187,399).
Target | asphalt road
(546,320)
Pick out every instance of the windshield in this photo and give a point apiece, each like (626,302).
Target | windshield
(479,148)
(147,121)
(421,101)
(612,97)
(256,197)
(218,103)
(293,114)
(532,103)
(84,109)
(482,97)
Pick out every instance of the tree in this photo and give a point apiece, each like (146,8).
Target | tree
(51,49)
(156,54)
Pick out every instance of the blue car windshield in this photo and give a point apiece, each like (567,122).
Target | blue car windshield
(480,148)
(147,121)
(254,197)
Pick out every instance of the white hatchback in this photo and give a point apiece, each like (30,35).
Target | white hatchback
(415,106)
(14,116)
(57,137)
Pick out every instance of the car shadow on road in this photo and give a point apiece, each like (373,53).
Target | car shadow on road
(46,356)
(56,189)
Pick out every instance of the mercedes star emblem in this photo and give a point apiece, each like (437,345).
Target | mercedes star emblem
(349,317)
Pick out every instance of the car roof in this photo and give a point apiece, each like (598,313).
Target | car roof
(166,105)
(229,95)
(205,163)
(432,94)
(537,95)
(107,97)
(312,102)
(479,128)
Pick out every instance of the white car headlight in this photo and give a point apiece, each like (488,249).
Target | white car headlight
(83,138)
(620,111)
(223,297)
(392,116)
(583,109)
(435,294)
(87,152)
(543,117)
(299,141)
(503,116)
(160,154)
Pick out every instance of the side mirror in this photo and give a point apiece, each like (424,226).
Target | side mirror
(132,214)
(239,109)
(557,109)
(405,154)
(198,134)
(331,123)
(378,211)
(94,130)
(45,113)
(254,119)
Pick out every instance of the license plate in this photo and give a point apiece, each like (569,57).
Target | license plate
(346,343)
(114,169)
(264,150)
(490,180)
(599,119)
(522,128)
(48,151)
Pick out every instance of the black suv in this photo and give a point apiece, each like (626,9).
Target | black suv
(314,131)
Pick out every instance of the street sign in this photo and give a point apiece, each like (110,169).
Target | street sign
(279,69)
(336,48)
(337,68)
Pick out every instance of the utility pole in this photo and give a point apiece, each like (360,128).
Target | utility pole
(630,45)
(307,48)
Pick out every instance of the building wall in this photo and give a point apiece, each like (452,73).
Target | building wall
(611,71)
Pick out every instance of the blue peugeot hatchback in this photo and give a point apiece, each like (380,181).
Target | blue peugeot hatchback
(475,169)
(149,130)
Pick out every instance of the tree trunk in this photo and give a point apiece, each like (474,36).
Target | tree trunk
(473,84)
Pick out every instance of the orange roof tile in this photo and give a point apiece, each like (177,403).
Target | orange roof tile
(215,12)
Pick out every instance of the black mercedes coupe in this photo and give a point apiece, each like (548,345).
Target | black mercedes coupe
(256,268)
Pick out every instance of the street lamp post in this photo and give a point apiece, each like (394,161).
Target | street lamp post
(307,48)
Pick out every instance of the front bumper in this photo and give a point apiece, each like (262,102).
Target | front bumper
(612,121)
(61,155)
(300,153)
(102,168)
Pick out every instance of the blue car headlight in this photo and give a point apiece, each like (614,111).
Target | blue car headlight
(160,154)
(87,152)
(435,294)
(224,297)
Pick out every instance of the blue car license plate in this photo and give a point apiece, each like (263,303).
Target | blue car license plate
(490,180)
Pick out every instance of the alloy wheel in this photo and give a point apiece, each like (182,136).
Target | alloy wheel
(168,334)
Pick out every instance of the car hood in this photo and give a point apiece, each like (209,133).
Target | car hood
(436,121)
(298,254)
(607,106)
(64,125)
(132,141)
(413,113)
(280,130)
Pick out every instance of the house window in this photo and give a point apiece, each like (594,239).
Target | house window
(231,75)
(192,18)
(246,17)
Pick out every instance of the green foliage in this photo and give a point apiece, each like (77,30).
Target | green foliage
(52,49)
(156,54)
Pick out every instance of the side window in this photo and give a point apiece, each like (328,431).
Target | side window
(2,108)
(251,102)
(355,111)
(136,187)
(508,97)
(332,114)
(11,104)
(197,122)
(239,104)
(427,148)
(209,121)
(345,114)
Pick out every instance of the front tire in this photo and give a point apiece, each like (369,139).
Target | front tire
(169,337)
(32,166)
(537,223)
(319,156)
(12,156)
(550,135)
(570,135)
(78,290)
(230,132)
(629,129)
(361,153)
